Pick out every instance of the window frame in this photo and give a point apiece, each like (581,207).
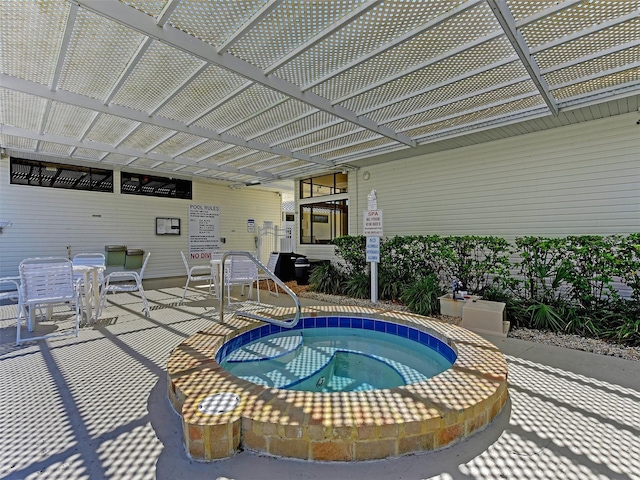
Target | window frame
(130,179)
(332,220)
(55,172)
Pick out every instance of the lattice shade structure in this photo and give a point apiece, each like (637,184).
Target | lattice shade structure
(261,91)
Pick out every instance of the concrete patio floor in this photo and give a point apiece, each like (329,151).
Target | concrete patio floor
(96,407)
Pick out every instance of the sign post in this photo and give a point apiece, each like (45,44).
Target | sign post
(373,232)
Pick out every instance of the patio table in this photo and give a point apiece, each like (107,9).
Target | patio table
(91,290)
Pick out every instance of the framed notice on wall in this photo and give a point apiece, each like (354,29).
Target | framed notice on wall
(167,226)
(204,230)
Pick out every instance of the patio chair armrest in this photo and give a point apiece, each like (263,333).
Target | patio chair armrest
(14,282)
(121,276)
(200,269)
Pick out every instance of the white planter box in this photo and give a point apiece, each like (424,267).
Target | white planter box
(486,317)
(451,307)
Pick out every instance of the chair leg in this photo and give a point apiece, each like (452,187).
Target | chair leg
(101,302)
(78,313)
(22,309)
(184,292)
(144,300)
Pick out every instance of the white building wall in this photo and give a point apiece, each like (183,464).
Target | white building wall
(49,221)
(574,180)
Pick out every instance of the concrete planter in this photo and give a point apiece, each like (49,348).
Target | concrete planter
(453,308)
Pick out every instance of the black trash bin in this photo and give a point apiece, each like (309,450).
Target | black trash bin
(285,267)
(302,271)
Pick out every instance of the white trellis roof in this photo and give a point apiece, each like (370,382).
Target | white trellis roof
(265,90)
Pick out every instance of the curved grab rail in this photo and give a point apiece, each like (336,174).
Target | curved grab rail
(272,276)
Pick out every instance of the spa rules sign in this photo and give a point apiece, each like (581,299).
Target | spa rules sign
(372,223)
(204,231)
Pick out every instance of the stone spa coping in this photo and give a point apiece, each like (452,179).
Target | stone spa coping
(338,426)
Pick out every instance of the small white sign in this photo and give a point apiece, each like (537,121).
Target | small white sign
(373,242)
(251,225)
(372,223)
(373,249)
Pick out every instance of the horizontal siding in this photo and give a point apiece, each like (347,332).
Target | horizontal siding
(574,180)
(48,222)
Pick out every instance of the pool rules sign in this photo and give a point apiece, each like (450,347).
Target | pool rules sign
(373,231)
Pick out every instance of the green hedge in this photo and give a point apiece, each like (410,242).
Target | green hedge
(589,285)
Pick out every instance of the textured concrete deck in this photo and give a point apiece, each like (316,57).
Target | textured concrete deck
(96,407)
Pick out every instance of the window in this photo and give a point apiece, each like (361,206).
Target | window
(135,184)
(331,184)
(56,175)
(323,221)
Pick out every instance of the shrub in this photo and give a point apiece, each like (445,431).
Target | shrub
(327,278)
(358,286)
(421,297)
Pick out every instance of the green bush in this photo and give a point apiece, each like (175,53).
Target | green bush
(327,278)
(358,286)
(421,297)
(563,284)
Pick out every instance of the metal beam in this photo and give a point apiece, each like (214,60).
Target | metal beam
(588,58)
(257,17)
(133,63)
(583,33)
(547,12)
(479,108)
(599,96)
(98,106)
(422,65)
(128,134)
(255,114)
(139,21)
(284,124)
(593,76)
(166,12)
(45,116)
(460,98)
(396,41)
(103,147)
(165,138)
(64,45)
(227,98)
(507,22)
(315,129)
(348,18)
(180,88)
(486,124)
(191,147)
(332,139)
(436,86)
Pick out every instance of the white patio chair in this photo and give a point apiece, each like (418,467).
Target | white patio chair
(241,272)
(125,281)
(271,266)
(46,282)
(216,268)
(10,288)
(196,273)
(90,289)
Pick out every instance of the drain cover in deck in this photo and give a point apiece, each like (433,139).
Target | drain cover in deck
(219,403)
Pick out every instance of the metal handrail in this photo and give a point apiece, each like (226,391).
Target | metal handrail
(272,276)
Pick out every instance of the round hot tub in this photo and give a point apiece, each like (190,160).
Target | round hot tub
(356,384)
(336,354)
